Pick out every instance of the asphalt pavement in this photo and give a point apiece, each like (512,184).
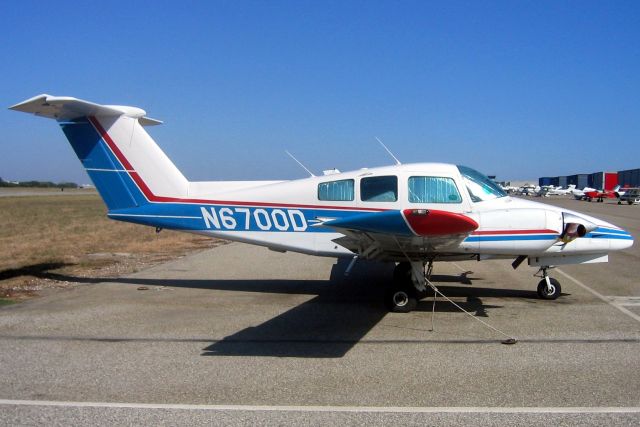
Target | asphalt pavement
(242,335)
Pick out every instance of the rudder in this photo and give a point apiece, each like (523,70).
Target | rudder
(111,178)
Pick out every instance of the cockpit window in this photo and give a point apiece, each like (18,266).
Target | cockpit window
(479,186)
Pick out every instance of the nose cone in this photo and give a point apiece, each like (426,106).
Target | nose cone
(624,244)
(619,239)
(601,231)
(601,235)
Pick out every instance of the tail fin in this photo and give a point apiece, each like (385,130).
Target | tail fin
(125,164)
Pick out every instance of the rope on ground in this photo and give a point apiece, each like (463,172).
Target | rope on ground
(508,341)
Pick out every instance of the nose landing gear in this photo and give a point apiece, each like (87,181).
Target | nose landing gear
(548,288)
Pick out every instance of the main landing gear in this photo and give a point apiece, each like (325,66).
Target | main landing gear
(548,288)
(408,287)
(410,280)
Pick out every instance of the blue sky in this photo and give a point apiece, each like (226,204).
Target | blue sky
(517,89)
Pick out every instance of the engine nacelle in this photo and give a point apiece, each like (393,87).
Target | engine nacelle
(572,231)
(575,227)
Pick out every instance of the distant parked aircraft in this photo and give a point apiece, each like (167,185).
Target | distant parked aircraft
(559,191)
(528,190)
(599,196)
(580,194)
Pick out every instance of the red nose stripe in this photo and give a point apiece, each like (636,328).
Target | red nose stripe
(438,223)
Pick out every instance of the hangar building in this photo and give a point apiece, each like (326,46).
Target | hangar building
(597,180)
(629,178)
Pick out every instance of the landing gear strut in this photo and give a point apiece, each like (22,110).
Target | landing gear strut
(548,288)
(409,286)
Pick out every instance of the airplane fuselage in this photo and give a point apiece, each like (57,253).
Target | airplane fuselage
(289,215)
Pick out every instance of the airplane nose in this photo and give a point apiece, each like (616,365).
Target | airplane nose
(618,238)
(628,241)
(575,225)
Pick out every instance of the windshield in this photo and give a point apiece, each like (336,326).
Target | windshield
(479,186)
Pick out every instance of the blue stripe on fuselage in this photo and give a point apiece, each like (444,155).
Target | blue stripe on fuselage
(609,233)
(510,238)
(609,230)
(609,236)
(221,217)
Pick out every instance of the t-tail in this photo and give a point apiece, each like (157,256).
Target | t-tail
(125,164)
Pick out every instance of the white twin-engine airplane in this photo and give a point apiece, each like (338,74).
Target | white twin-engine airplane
(409,214)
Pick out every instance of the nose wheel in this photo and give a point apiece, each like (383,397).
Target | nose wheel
(548,288)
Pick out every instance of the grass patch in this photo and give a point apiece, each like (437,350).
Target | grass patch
(72,234)
(6,301)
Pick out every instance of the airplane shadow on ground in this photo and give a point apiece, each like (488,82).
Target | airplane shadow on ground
(343,311)
(35,270)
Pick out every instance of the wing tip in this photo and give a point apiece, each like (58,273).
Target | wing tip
(21,106)
(148,121)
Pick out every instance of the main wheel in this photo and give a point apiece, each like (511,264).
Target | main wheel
(545,293)
(402,278)
(400,299)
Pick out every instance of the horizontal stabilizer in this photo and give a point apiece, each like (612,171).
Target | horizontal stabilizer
(67,108)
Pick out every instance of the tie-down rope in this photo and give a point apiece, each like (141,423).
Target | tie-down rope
(509,340)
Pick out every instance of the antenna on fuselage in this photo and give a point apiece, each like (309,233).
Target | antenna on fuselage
(298,162)
(388,151)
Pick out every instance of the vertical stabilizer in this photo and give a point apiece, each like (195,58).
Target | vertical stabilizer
(127,167)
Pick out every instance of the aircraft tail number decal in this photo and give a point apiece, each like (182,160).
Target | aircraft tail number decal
(253,219)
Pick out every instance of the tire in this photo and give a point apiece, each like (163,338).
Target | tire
(544,294)
(400,300)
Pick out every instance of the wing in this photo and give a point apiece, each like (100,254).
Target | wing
(395,235)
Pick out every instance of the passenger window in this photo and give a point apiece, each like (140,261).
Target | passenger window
(336,191)
(433,189)
(379,189)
